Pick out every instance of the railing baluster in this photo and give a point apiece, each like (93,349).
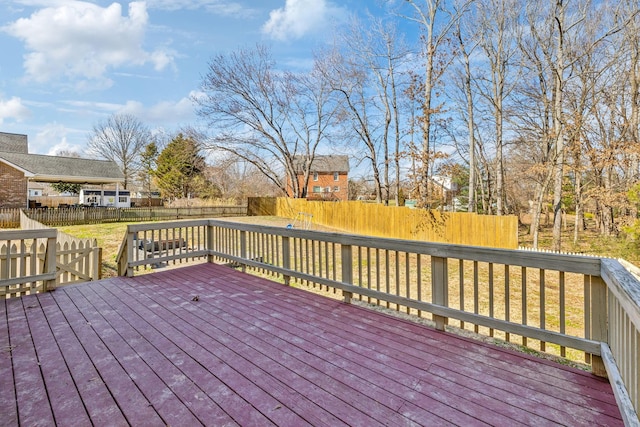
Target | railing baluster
(543,308)
(397,274)
(419,279)
(563,312)
(461,287)
(368,272)
(407,277)
(491,296)
(507,299)
(286,257)
(523,271)
(476,294)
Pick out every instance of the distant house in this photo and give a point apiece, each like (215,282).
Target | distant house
(18,168)
(100,197)
(328,177)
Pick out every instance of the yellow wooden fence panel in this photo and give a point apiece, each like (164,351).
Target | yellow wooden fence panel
(398,222)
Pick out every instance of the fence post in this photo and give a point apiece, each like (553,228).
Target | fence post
(598,326)
(439,288)
(286,258)
(347,270)
(50,263)
(96,259)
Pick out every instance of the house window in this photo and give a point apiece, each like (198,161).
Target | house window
(328,189)
(317,189)
(315,176)
(335,176)
(336,189)
(122,199)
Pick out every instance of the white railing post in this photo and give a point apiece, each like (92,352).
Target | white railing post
(286,258)
(210,246)
(439,288)
(96,263)
(130,251)
(243,248)
(50,264)
(598,327)
(346,252)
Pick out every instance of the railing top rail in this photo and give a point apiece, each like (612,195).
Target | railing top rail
(134,228)
(28,234)
(550,261)
(625,286)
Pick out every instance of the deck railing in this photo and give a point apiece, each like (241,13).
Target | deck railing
(27,262)
(585,308)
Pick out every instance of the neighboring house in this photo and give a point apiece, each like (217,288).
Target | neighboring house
(328,177)
(111,198)
(18,168)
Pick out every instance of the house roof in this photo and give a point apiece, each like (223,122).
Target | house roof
(42,168)
(13,143)
(323,164)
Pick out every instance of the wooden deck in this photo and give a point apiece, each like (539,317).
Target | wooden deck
(210,345)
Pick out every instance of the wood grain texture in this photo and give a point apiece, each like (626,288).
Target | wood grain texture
(247,351)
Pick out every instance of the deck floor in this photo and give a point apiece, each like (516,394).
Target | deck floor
(250,352)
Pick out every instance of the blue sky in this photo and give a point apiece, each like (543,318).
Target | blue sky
(65,65)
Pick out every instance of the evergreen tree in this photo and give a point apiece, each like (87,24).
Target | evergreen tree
(148,160)
(180,170)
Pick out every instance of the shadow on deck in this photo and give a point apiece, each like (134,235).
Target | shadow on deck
(210,345)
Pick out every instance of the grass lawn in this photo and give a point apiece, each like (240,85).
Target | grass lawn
(109,237)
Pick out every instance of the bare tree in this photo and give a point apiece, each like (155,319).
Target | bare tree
(465,101)
(120,138)
(365,70)
(436,22)
(264,116)
(498,38)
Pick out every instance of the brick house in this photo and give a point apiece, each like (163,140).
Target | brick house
(18,168)
(328,177)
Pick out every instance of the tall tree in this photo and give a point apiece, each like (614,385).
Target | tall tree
(264,116)
(436,18)
(180,169)
(121,138)
(365,71)
(148,163)
(498,27)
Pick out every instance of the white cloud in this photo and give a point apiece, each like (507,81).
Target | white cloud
(13,109)
(165,113)
(52,139)
(77,40)
(300,17)
(162,113)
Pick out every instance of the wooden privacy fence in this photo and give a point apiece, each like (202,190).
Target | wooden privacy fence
(373,219)
(584,308)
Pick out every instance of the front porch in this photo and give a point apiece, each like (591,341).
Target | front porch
(207,344)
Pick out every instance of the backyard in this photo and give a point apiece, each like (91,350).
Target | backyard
(500,290)
(110,237)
